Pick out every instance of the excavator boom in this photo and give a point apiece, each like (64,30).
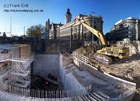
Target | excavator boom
(95,32)
(104,55)
(98,34)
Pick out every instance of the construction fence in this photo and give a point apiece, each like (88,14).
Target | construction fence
(43,93)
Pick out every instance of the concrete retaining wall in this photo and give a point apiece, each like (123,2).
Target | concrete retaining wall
(46,63)
(69,81)
(107,77)
(125,96)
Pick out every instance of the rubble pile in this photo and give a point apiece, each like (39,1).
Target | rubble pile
(127,68)
(134,46)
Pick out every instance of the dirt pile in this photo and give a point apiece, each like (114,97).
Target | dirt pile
(128,68)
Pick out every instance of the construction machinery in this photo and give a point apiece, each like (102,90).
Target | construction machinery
(107,53)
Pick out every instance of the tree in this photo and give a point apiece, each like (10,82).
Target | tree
(4,35)
(35,31)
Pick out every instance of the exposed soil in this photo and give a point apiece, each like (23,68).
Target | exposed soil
(128,68)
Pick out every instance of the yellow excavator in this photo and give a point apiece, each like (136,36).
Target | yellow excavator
(105,54)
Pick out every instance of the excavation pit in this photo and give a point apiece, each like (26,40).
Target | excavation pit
(56,77)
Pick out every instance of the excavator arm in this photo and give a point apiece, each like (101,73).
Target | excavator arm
(104,55)
(98,34)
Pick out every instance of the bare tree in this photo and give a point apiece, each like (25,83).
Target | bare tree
(36,31)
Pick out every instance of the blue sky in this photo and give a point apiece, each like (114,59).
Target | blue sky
(111,11)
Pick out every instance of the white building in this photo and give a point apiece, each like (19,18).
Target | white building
(126,28)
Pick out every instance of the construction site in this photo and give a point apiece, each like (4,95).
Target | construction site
(64,77)
(85,74)
(72,70)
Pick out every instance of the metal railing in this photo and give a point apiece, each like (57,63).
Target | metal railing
(81,57)
(44,93)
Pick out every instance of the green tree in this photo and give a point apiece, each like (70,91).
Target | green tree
(36,31)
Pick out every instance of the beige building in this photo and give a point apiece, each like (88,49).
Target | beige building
(67,32)
(80,32)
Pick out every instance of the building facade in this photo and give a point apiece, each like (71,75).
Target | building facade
(52,29)
(79,32)
(127,28)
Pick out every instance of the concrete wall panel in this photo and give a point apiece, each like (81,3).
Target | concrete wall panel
(45,64)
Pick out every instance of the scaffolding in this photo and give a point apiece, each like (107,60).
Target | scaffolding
(4,56)
(19,75)
(19,59)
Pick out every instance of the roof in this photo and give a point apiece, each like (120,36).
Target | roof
(129,18)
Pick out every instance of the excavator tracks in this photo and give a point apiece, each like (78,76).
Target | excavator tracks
(103,58)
